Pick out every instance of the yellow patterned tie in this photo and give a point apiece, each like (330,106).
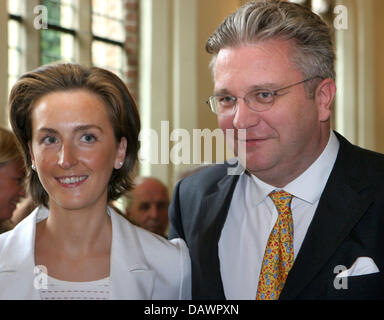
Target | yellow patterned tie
(278,256)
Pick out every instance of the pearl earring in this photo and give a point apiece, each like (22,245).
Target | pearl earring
(33,167)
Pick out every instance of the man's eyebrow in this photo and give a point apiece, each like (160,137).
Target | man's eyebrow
(221,92)
(267,85)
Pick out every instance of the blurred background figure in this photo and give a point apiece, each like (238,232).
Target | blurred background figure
(12,175)
(148,206)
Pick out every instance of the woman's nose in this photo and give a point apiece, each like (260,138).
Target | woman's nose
(67,156)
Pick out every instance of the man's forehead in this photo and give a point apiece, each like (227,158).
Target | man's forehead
(150,195)
(260,65)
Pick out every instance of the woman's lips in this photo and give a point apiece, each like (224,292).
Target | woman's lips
(72,181)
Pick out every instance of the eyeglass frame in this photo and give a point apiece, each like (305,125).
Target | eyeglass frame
(274,94)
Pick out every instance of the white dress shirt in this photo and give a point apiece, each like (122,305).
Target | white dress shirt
(252,215)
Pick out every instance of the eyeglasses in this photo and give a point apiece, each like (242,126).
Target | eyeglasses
(257,100)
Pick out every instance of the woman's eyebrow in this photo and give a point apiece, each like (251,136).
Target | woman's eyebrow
(48,130)
(76,129)
(87,127)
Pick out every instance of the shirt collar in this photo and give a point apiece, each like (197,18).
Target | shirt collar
(302,187)
(258,190)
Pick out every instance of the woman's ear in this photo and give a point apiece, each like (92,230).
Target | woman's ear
(324,95)
(121,152)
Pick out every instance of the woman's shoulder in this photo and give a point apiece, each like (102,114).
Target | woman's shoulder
(3,238)
(155,249)
(20,236)
(170,260)
(149,240)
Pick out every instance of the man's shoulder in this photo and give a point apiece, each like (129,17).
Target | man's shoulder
(360,160)
(208,171)
(358,167)
(206,179)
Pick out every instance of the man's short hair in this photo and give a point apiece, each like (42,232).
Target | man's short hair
(255,22)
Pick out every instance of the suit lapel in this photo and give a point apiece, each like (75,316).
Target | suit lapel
(214,208)
(131,277)
(340,208)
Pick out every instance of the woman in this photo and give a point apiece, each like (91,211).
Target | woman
(79,129)
(11,178)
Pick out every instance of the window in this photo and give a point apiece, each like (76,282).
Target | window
(58,41)
(15,51)
(108,35)
(321,7)
(89,32)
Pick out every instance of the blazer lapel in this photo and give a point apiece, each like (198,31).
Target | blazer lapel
(214,209)
(131,277)
(17,262)
(340,208)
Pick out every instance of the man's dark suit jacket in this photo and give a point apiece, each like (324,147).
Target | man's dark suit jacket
(348,224)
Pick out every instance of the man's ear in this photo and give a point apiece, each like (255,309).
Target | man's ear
(121,152)
(324,95)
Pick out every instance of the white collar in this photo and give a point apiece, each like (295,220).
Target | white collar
(131,276)
(19,249)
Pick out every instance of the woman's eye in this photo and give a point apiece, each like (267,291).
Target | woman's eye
(88,138)
(49,140)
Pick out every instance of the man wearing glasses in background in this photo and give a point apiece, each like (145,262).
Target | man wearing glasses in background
(305,218)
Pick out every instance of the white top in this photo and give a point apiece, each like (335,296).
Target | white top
(251,218)
(143,265)
(65,290)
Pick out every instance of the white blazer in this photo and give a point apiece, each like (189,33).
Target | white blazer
(143,265)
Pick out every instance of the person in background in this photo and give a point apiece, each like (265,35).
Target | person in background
(23,209)
(148,205)
(78,128)
(305,217)
(12,175)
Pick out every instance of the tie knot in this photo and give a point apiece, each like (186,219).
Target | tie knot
(282,200)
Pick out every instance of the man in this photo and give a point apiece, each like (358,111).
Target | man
(308,204)
(149,205)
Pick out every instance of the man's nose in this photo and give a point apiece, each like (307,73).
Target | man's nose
(153,212)
(244,117)
(22,193)
(67,156)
